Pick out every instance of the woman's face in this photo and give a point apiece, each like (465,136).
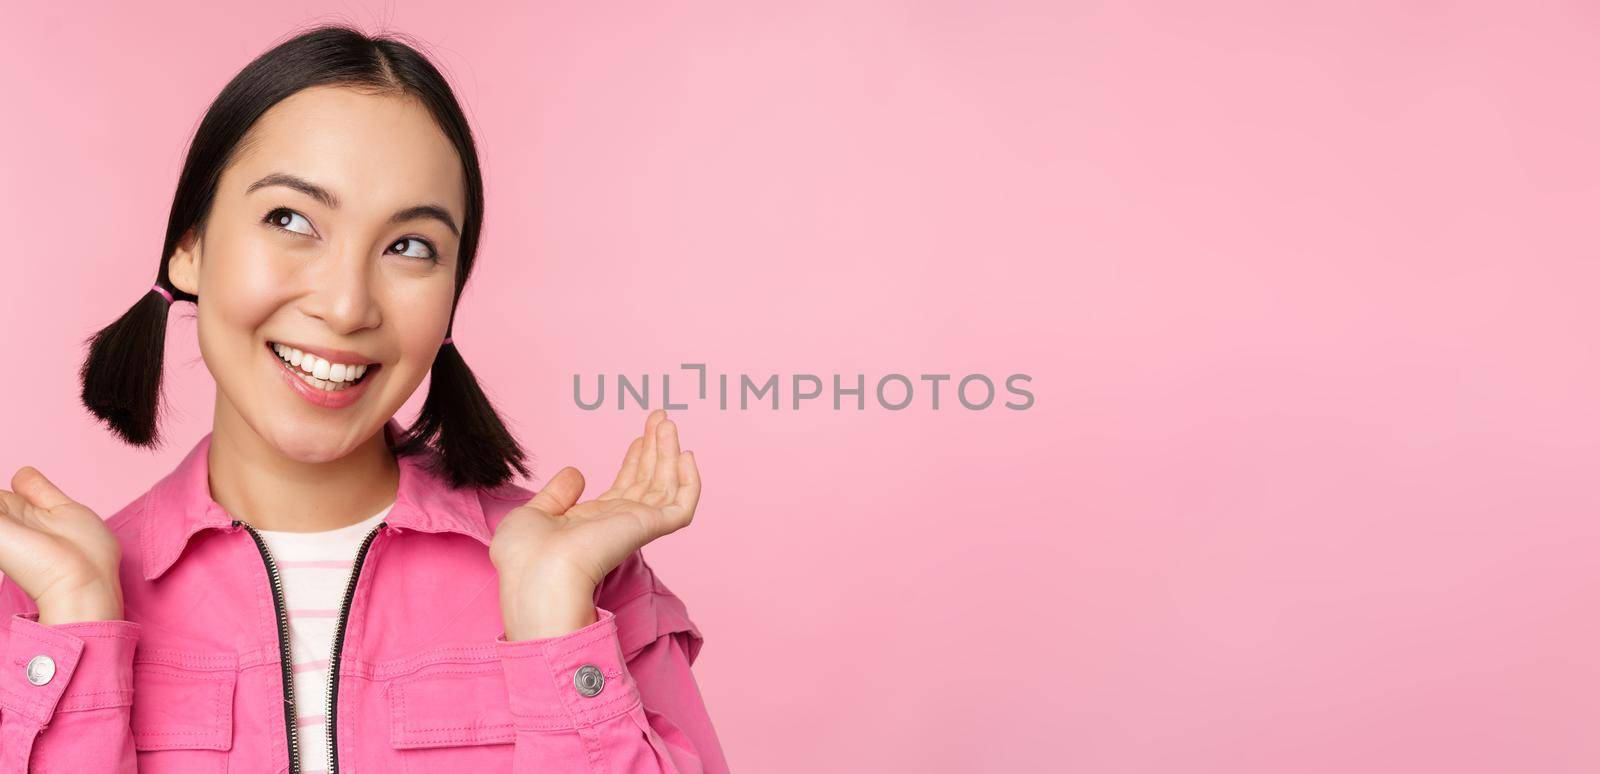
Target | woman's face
(334,231)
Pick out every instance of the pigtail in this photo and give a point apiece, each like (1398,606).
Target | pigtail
(121,375)
(473,447)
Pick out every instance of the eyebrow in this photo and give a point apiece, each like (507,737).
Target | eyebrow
(420,211)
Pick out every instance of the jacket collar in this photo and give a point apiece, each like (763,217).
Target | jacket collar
(180,505)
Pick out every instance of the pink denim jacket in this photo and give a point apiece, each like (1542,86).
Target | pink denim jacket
(193,679)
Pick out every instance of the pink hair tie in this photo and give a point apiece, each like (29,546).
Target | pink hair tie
(448,340)
(163,291)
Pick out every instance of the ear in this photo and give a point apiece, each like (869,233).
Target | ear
(183,269)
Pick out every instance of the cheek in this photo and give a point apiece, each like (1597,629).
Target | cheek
(242,284)
(426,316)
(417,318)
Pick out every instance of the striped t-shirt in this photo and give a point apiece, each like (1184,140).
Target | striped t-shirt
(314,568)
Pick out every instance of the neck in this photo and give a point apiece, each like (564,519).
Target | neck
(254,480)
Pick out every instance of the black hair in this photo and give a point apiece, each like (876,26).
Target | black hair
(121,374)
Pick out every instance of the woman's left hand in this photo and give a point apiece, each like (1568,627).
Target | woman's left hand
(552,552)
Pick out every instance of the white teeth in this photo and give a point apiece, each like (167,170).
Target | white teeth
(318,372)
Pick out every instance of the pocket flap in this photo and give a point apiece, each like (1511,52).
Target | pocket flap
(450,705)
(183,700)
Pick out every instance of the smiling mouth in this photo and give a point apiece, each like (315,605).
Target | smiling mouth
(326,385)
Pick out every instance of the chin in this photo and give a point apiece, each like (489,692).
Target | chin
(309,443)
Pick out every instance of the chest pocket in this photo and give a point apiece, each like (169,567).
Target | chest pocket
(182,717)
(451,703)
(452,711)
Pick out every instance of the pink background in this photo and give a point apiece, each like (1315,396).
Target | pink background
(1307,297)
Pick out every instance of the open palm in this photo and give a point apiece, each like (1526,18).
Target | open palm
(654,493)
(58,551)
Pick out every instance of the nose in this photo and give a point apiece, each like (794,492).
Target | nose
(342,293)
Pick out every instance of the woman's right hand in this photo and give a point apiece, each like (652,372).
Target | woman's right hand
(60,553)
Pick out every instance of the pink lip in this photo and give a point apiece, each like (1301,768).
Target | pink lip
(333,400)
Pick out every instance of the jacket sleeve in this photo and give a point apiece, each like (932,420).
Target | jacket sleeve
(74,712)
(618,695)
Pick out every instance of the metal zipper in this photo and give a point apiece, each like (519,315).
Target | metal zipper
(283,648)
(338,645)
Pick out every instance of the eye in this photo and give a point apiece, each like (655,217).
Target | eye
(413,243)
(284,218)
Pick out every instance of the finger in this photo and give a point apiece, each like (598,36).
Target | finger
(647,462)
(12,506)
(18,510)
(666,475)
(32,484)
(16,514)
(560,492)
(630,469)
(689,488)
(652,419)
(680,512)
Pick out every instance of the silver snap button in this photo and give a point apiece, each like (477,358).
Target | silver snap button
(40,669)
(589,679)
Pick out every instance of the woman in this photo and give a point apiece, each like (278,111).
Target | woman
(316,588)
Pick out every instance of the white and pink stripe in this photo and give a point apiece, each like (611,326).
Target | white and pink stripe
(315,568)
